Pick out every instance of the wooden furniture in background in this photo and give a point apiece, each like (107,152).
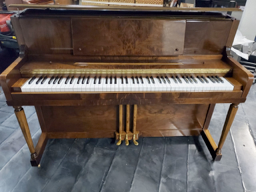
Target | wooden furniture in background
(113,42)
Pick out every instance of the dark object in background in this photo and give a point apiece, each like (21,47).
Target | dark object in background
(7,56)
(9,48)
(219,3)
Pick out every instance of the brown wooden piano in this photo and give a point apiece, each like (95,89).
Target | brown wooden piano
(124,73)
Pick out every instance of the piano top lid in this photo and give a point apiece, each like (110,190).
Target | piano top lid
(123,8)
(126,33)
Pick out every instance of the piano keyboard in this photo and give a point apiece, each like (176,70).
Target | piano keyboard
(135,83)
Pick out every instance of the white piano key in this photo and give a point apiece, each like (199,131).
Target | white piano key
(26,87)
(54,84)
(44,87)
(228,85)
(61,81)
(35,84)
(85,86)
(64,84)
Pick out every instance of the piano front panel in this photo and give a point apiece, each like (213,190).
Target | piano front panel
(161,120)
(103,121)
(128,36)
(100,121)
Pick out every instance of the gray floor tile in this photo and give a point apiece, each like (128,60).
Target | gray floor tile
(2,104)
(2,97)
(93,174)
(16,168)
(12,120)
(6,108)
(52,159)
(149,168)
(65,176)
(227,179)
(199,176)
(246,153)
(4,116)
(5,133)
(123,168)
(16,141)
(174,170)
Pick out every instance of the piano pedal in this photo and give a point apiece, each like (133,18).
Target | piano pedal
(119,141)
(126,140)
(134,140)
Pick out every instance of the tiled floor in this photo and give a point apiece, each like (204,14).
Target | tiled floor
(157,164)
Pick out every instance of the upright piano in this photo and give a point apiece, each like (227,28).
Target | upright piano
(114,72)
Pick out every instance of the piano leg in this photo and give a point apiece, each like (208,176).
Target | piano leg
(229,120)
(215,149)
(19,112)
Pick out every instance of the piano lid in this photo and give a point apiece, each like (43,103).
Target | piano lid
(122,8)
(98,33)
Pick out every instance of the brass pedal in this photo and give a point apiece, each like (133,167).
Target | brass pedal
(119,141)
(126,140)
(134,140)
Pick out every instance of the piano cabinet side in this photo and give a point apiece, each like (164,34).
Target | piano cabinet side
(11,75)
(241,74)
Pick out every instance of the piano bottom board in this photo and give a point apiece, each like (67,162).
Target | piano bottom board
(103,121)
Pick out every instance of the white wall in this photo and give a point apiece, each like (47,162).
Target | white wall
(248,21)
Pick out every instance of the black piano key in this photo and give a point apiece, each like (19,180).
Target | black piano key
(137,79)
(122,80)
(219,79)
(211,79)
(95,78)
(55,80)
(72,79)
(67,80)
(83,81)
(159,79)
(200,79)
(106,80)
(163,79)
(133,80)
(174,79)
(31,80)
(190,80)
(99,79)
(168,80)
(148,80)
(40,78)
(79,79)
(60,79)
(141,80)
(193,78)
(185,79)
(126,79)
(215,79)
(115,80)
(42,82)
(178,79)
(152,79)
(110,79)
(51,79)
(88,79)
(204,79)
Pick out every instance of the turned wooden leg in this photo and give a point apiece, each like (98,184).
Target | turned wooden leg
(19,112)
(229,120)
